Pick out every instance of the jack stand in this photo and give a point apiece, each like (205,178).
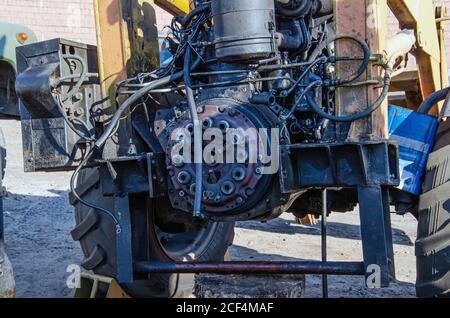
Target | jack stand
(324,241)
(91,287)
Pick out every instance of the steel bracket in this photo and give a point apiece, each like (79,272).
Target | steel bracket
(124,240)
(332,165)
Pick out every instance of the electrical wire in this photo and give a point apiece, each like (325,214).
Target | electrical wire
(82,135)
(73,182)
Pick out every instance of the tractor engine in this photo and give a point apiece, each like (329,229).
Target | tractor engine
(256,64)
(246,80)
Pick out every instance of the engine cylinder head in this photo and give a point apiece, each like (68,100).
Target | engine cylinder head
(244,30)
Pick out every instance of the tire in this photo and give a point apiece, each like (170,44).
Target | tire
(96,233)
(433,236)
(2,155)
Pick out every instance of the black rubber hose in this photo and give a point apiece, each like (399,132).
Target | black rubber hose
(433,99)
(300,11)
(192,14)
(387,83)
(109,131)
(362,68)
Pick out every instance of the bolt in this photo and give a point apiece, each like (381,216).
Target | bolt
(227,187)
(190,128)
(184,177)
(207,123)
(239,200)
(249,192)
(238,174)
(79,95)
(79,112)
(181,194)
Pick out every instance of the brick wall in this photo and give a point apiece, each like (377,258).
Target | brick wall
(74,19)
(71,19)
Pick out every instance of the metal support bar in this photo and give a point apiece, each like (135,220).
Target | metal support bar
(388,229)
(2,224)
(376,235)
(246,268)
(123,240)
(324,240)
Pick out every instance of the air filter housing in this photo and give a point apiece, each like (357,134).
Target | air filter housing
(244,30)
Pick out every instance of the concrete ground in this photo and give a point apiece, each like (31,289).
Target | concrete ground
(39,218)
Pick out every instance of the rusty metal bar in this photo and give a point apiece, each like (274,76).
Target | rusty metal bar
(246,268)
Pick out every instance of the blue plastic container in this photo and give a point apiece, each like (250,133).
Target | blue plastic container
(415,134)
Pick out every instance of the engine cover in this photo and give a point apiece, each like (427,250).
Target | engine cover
(235,178)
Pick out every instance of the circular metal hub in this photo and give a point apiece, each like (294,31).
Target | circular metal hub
(232,178)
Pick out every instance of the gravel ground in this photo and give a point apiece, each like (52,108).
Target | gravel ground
(39,218)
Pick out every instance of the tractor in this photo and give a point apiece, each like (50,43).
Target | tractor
(264,107)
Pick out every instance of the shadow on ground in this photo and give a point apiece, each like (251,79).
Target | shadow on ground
(339,286)
(37,230)
(40,247)
(335,229)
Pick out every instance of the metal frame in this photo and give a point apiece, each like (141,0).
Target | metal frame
(370,167)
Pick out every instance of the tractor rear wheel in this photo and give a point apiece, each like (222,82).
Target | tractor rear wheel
(433,237)
(166,242)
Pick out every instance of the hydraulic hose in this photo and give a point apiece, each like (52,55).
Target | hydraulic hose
(127,104)
(433,99)
(362,68)
(192,14)
(387,83)
(389,70)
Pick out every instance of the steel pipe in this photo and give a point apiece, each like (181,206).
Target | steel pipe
(241,268)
